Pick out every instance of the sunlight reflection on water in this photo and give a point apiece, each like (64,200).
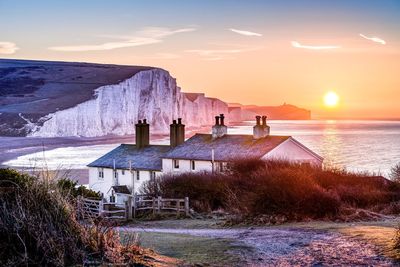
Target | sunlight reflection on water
(372,146)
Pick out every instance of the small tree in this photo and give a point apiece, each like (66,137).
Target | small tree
(395,173)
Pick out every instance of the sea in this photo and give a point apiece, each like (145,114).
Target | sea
(357,145)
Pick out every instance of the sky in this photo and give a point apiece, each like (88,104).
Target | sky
(249,52)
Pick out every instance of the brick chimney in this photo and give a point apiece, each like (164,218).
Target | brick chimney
(176,133)
(261,129)
(219,129)
(142,134)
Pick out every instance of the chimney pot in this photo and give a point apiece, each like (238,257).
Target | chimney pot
(216,120)
(264,120)
(179,120)
(174,122)
(258,120)
(222,117)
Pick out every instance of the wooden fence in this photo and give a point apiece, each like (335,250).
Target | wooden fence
(90,208)
(158,204)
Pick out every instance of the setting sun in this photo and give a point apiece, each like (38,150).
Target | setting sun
(331,99)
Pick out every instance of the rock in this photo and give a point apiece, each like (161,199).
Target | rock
(151,94)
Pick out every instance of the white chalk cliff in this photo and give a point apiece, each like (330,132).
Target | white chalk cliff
(151,94)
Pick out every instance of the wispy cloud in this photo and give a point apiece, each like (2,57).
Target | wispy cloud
(314,47)
(8,48)
(220,54)
(246,33)
(146,36)
(374,39)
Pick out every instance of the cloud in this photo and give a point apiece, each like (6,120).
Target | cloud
(246,33)
(374,39)
(146,36)
(8,48)
(313,47)
(220,54)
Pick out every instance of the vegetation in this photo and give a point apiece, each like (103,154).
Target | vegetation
(39,226)
(70,188)
(253,188)
(395,173)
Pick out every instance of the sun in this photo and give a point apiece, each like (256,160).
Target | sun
(331,99)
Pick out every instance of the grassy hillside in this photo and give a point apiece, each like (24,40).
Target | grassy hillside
(37,88)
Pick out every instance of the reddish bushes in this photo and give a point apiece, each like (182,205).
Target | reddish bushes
(254,187)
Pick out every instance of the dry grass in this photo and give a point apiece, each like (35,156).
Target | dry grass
(255,188)
(39,227)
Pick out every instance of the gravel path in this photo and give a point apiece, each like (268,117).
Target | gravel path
(288,247)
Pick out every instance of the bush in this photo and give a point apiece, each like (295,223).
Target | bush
(254,187)
(71,188)
(395,173)
(38,227)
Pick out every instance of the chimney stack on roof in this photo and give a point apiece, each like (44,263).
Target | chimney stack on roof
(176,133)
(219,129)
(261,130)
(142,133)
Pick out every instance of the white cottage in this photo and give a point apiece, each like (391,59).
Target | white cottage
(132,165)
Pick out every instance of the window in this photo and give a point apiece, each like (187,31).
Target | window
(152,175)
(192,165)
(138,175)
(101,173)
(123,172)
(176,164)
(116,174)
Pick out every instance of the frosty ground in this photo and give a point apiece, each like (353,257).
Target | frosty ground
(206,243)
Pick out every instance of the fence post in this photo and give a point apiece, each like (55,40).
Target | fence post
(129,207)
(178,205)
(134,205)
(154,205)
(101,206)
(187,206)
(159,202)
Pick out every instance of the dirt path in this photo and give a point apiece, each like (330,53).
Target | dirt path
(267,246)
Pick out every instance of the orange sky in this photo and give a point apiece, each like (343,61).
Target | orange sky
(255,63)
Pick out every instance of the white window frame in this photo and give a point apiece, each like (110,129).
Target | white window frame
(100,173)
(123,172)
(193,165)
(137,175)
(175,164)
(115,174)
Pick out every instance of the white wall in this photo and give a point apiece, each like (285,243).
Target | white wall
(128,178)
(291,151)
(185,166)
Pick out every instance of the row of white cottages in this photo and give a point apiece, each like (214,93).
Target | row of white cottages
(127,167)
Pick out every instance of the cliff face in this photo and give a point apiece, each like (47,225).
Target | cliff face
(151,94)
(50,99)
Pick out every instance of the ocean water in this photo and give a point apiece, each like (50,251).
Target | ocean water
(372,146)
(357,145)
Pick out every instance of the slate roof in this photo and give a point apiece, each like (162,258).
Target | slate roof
(147,158)
(228,147)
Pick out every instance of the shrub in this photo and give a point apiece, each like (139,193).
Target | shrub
(254,187)
(38,227)
(395,173)
(70,187)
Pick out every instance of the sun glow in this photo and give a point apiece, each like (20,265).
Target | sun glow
(331,99)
